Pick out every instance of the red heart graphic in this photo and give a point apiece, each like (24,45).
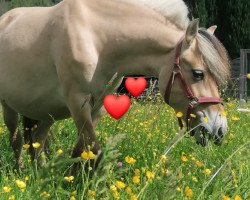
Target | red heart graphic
(135,86)
(116,106)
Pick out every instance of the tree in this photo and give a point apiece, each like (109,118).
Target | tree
(231,17)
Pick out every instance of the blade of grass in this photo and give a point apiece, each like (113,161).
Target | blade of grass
(220,168)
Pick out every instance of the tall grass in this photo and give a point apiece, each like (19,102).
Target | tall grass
(190,172)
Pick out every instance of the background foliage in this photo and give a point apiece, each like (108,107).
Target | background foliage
(231,17)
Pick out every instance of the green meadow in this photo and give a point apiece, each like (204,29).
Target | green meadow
(133,166)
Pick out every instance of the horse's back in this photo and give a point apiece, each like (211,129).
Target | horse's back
(21,27)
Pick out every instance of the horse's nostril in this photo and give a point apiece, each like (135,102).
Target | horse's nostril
(203,142)
(205,132)
(220,133)
(218,137)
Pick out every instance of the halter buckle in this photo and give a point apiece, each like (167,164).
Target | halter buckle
(193,102)
(177,67)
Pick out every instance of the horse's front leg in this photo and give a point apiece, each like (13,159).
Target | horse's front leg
(80,108)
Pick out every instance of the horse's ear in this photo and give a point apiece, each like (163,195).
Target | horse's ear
(192,31)
(211,29)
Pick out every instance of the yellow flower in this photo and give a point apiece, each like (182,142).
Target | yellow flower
(12,197)
(136,179)
(178,189)
(69,178)
(194,179)
(193,158)
(225,197)
(45,194)
(224,113)
(26,146)
(164,170)
(21,184)
(72,198)
(149,175)
(207,171)
(84,155)
(179,114)
(206,119)
(27,178)
(235,118)
(130,160)
(88,155)
(91,155)
(120,184)
(163,158)
(133,197)
(188,191)
(114,191)
(128,190)
(193,115)
(59,152)
(91,193)
(116,195)
(6,189)
(184,157)
(199,163)
(248,76)
(230,104)
(36,145)
(113,188)
(238,197)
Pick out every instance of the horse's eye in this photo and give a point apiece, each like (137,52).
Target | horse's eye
(198,75)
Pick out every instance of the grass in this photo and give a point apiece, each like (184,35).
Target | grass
(142,135)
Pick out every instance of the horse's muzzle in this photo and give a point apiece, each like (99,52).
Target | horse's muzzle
(213,128)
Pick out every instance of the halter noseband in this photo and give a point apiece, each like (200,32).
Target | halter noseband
(193,100)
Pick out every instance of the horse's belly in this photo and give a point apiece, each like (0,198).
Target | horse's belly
(47,108)
(33,90)
(43,107)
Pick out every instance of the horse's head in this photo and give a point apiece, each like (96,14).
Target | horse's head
(201,65)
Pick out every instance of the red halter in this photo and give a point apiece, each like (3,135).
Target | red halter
(193,100)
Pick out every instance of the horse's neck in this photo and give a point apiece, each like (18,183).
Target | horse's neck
(137,39)
(130,38)
(146,51)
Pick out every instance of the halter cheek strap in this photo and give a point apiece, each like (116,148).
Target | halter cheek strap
(193,100)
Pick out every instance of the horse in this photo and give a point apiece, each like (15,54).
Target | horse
(10,118)
(52,59)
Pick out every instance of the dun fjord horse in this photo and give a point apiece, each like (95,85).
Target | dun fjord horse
(52,59)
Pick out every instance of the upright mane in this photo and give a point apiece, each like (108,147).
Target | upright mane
(175,11)
(215,56)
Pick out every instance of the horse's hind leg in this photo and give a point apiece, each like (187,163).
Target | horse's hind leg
(11,120)
(29,125)
(40,135)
